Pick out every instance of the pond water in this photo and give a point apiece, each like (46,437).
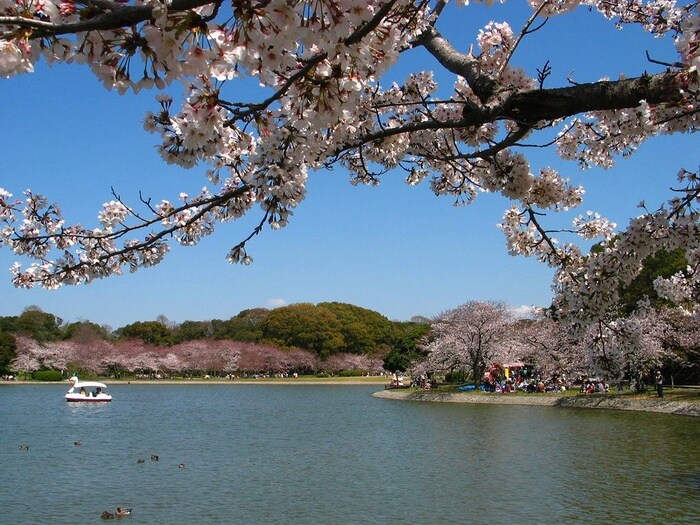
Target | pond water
(328,454)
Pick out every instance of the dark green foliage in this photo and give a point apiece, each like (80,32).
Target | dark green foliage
(38,325)
(246,326)
(304,326)
(84,331)
(397,361)
(192,330)
(363,330)
(408,336)
(406,346)
(150,332)
(47,375)
(8,351)
(8,324)
(329,328)
(661,264)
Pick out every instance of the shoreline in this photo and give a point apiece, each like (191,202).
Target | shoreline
(378,381)
(592,401)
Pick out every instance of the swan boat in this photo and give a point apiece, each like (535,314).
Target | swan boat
(87,392)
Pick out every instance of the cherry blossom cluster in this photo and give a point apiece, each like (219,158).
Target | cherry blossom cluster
(198,356)
(629,346)
(470,337)
(320,64)
(552,347)
(658,16)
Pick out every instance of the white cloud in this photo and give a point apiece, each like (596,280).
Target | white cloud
(276,303)
(524,311)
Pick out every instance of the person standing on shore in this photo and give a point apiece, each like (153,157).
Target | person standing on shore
(659,384)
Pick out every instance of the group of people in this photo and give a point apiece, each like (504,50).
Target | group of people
(514,382)
(422,381)
(532,386)
(93,393)
(593,386)
(521,378)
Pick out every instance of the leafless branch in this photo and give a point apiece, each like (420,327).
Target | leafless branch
(524,31)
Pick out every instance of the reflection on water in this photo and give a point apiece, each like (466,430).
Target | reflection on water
(280,454)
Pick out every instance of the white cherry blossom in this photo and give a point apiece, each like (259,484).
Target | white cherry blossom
(324,103)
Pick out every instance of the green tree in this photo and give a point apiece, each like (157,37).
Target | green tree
(661,264)
(406,345)
(246,326)
(193,330)
(8,324)
(150,332)
(85,331)
(363,330)
(8,351)
(39,325)
(304,326)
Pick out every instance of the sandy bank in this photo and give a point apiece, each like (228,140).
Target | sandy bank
(682,408)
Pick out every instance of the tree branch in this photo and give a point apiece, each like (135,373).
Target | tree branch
(114,18)
(529,107)
(464,65)
(551,104)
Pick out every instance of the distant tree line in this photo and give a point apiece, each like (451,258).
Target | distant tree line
(643,332)
(325,330)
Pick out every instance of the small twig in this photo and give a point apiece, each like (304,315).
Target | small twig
(524,31)
(543,73)
(667,64)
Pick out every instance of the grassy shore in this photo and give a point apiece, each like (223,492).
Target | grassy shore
(677,401)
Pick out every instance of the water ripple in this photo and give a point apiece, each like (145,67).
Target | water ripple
(334,455)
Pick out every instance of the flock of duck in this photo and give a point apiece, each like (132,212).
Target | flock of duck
(120,511)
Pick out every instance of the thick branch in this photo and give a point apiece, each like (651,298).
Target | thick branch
(124,16)
(464,65)
(551,104)
(529,107)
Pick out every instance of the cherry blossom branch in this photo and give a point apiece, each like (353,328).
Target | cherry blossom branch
(464,65)
(118,16)
(310,64)
(203,207)
(532,106)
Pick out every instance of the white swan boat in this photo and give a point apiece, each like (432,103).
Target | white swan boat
(87,392)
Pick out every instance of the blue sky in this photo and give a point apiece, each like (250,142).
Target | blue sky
(395,249)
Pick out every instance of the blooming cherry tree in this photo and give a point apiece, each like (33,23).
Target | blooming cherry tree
(323,104)
(551,346)
(627,347)
(470,338)
(681,341)
(33,356)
